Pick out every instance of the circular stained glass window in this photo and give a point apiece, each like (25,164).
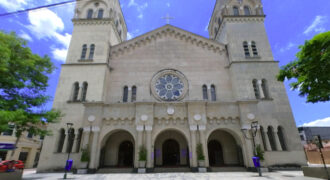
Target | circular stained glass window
(169,87)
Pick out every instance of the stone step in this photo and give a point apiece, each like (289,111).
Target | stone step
(228,169)
(171,169)
(114,170)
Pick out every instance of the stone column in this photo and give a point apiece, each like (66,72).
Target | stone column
(30,159)
(269,148)
(74,146)
(85,139)
(277,141)
(139,140)
(209,95)
(65,144)
(96,131)
(129,95)
(262,95)
(192,153)
(16,153)
(80,93)
(203,141)
(149,148)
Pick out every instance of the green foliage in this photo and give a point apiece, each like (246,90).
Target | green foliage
(143,153)
(259,152)
(23,83)
(311,69)
(200,153)
(84,155)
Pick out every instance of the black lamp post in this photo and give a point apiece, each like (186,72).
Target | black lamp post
(69,126)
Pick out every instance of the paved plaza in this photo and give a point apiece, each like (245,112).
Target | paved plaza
(31,174)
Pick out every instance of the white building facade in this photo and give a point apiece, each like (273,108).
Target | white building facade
(170,90)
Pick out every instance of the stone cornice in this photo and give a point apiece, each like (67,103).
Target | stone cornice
(167,31)
(92,21)
(249,61)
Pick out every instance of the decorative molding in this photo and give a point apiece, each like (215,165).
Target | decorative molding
(193,127)
(140,128)
(202,127)
(148,128)
(223,121)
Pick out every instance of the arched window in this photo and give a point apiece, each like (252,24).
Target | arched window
(254,48)
(219,21)
(61,140)
(263,138)
(75,91)
(84,91)
(280,133)
(256,88)
(205,96)
(100,14)
(247,11)
(83,52)
(119,32)
(213,93)
(265,88)
(134,93)
(71,137)
(125,96)
(91,52)
(246,49)
(270,133)
(117,23)
(80,133)
(90,14)
(235,11)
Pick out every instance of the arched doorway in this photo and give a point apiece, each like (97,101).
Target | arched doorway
(215,153)
(117,150)
(171,149)
(125,154)
(224,149)
(171,153)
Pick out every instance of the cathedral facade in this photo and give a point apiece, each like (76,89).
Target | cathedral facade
(170,91)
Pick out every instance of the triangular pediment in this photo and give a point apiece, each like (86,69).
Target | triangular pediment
(170,32)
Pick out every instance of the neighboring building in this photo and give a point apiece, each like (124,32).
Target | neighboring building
(307,134)
(28,147)
(170,90)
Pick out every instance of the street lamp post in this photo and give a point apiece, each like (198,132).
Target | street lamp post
(69,126)
(90,119)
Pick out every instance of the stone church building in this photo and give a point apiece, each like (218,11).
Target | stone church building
(170,90)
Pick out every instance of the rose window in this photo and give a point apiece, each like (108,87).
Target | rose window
(169,87)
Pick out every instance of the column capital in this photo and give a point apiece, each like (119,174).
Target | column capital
(140,128)
(193,127)
(148,128)
(202,127)
(96,129)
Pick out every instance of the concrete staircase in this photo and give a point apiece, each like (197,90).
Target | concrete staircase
(171,169)
(114,170)
(228,169)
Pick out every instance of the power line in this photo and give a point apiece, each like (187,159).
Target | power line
(35,8)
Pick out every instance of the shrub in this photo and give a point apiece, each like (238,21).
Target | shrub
(142,153)
(200,153)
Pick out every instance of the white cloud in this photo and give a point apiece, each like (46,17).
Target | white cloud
(13,5)
(25,36)
(139,8)
(289,46)
(168,4)
(129,35)
(317,25)
(140,16)
(207,25)
(60,54)
(319,122)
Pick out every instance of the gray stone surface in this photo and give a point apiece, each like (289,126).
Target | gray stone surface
(180,176)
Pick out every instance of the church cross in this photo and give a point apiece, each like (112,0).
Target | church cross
(167,18)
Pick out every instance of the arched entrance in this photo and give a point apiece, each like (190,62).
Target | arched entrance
(171,149)
(215,153)
(224,150)
(118,150)
(171,153)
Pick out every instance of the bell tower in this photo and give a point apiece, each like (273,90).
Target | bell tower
(240,25)
(98,25)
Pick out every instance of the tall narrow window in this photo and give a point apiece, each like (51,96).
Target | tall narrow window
(83,52)
(256,88)
(9,131)
(270,133)
(80,133)
(263,138)
(213,93)
(265,88)
(134,93)
(254,48)
(280,133)
(61,140)
(75,91)
(246,49)
(91,52)
(84,91)
(90,14)
(236,11)
(125,95)
(247,11)
(100,14)
(205,96)
(71,137)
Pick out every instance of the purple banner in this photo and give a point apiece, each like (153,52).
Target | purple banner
(4,146)
(152,155)
(157,153)
(183,152)
(190,155)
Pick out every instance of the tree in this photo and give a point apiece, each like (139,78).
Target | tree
(23,82)
(311,69)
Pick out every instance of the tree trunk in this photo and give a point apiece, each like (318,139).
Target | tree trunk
(13,151)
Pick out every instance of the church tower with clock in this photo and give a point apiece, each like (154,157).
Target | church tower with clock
(172,93)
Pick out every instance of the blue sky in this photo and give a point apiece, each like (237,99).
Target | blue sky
(288,24)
